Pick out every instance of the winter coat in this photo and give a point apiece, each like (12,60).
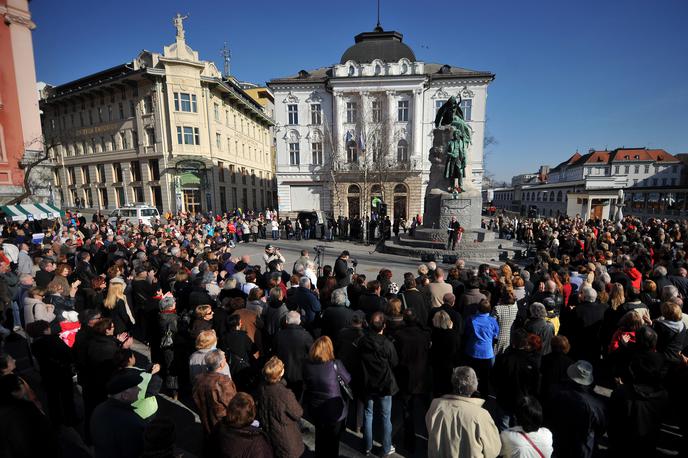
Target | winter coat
(306,300)
(322,396)
(460,427)
(378,359)
(418,302)
(37,310)
(212,392)
(514,375)
(248,442)
(292,344)
(116,430)
(445,355)
(671,339)
(119,316)
(543,329)
(370,303)
(279,412)
(276,311)
(334,319)
(412,343)
(468,303)
(197,365)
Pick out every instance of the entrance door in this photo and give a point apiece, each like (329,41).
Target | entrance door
(596,211)
(354,206)
(400,207)
(192,200)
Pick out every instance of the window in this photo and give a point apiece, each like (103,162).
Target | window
(70,176)
(100,114)
(294,154)
(218,140)
(317,151)
(135,171)
(654,182)
(85,175)
(138,195)
(616,169)
(120,107)
(154,169)
(664,181)
(316,114)
(467,107)
(253,177)
(188,135)
(402,151)
(223,199)
(647,168)
(403,111)
(351,112)
(351,152)
(377,111)
(148,104)
(132,109)
(125,140)
(100,173)
(185,102)
(103,197)
(109,112)
(636,169)
(627,169)
(216,108)
(292,111)
(156,191)
(89,198)
(134,139)
(117,172)
(232,175)
(150,136)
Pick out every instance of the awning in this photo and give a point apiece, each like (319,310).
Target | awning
(30,212)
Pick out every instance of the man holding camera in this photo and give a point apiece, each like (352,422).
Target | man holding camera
(342,272)
(272,253)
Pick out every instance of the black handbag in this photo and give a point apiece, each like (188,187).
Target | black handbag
(344,389)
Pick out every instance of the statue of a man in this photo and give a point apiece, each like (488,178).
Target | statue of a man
(455,165)
(179,24)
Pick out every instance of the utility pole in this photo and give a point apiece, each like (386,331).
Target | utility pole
(226,57)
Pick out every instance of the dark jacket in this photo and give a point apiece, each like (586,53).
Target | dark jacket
(199,296)
(468,303)
(26,431)
(341,272)
(119,316)
(334,319)
(412,343)
(418,302)
(307,301)
(279,412)
(584,331)
(346,348)
(116,430)
(322,396)
(553,371)
(445,355)
(378,359)
(545,330)
(671,340)
(43,278)
(514,375)
(85,272)
(291,346)
(247,442)
(577,419)
(370,303)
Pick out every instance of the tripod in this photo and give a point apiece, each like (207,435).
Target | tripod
(319,258)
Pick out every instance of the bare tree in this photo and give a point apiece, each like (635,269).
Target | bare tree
(34,177)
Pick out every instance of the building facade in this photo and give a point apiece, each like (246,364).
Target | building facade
(165,129)
(592,180)
(20,125)
(360,131)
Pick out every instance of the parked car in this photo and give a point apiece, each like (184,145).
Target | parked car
(136,214)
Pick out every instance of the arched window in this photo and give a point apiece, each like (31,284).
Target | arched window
(559,196)
(400,189)
(352,70)
(376,189)
(354,189)
(351,152)
(402,151)
(551,196)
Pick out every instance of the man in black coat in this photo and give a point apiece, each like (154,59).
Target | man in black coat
(46,273)
(341,269)
(415,300)
(116,429)
(378,360)
(371,301)
(583,328)
(337,316)
(85,271)
(412,342)
(292,344)
(514,375)
(448,301)
(199,295)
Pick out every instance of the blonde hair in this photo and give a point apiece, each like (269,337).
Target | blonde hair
(321,350)
(202,310)
(206,339)
(617,297)
(273,369)
(393,307)
(442,320)
(115,292)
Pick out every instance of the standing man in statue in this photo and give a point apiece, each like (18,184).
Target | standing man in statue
(453,233)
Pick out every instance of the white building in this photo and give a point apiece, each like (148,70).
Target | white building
(362,128)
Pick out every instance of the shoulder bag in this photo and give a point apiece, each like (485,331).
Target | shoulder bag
(525,436)
(344,389)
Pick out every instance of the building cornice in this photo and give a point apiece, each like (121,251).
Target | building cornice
(16,16)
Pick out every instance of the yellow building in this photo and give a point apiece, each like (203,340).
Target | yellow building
(165,129)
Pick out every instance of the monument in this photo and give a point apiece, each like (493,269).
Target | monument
(450,190)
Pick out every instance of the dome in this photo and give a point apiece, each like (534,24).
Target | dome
(386,46)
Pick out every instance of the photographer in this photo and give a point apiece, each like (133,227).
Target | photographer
(271,254)
(342,272)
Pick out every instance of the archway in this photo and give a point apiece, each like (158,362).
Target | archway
(400,201)
(353,198)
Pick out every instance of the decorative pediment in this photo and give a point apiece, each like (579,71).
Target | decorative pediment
(292,136)
(467,93)
(441,94)
(314,97)
(315,135)
(291,98)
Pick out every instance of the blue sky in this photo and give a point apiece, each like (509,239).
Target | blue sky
(570,75)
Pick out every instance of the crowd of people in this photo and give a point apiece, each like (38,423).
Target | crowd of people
(485,362)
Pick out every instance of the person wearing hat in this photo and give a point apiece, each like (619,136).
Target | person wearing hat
(116,430)
(577,417)
(272,253)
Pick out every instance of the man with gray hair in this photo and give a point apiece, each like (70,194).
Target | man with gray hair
(291,345)
(213,390)
(538,325)
(585,325)
(338,315)
(458,425)
(306,300)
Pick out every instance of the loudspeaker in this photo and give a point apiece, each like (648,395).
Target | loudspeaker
(450,259)
(427,257)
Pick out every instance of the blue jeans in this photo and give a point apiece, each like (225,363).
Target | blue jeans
(275,235)
(385,403)
(306,234)
(15,314)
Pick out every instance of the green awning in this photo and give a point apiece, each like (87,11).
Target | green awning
(30,211)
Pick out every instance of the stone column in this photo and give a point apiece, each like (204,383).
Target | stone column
(336,132)
(126,178)
(391,116)
(417,126)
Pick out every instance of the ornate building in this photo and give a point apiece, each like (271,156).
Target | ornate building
(361,130)
(20,124)
(165,129)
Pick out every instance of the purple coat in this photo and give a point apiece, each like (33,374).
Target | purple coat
(322,396)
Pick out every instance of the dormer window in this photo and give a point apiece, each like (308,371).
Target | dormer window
(637,156)
(627,157)
(352,70)
(378,70)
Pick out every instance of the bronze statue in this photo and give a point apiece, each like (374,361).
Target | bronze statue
(450,114)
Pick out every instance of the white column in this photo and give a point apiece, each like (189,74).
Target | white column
(417,124)
(336,132)
(391,116)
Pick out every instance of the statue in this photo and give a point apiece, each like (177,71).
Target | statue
(450,113)
(179,24)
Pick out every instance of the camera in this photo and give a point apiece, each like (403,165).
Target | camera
(354,262)
(319,249)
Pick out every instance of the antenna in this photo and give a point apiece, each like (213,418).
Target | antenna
(378,14)
(226,57)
